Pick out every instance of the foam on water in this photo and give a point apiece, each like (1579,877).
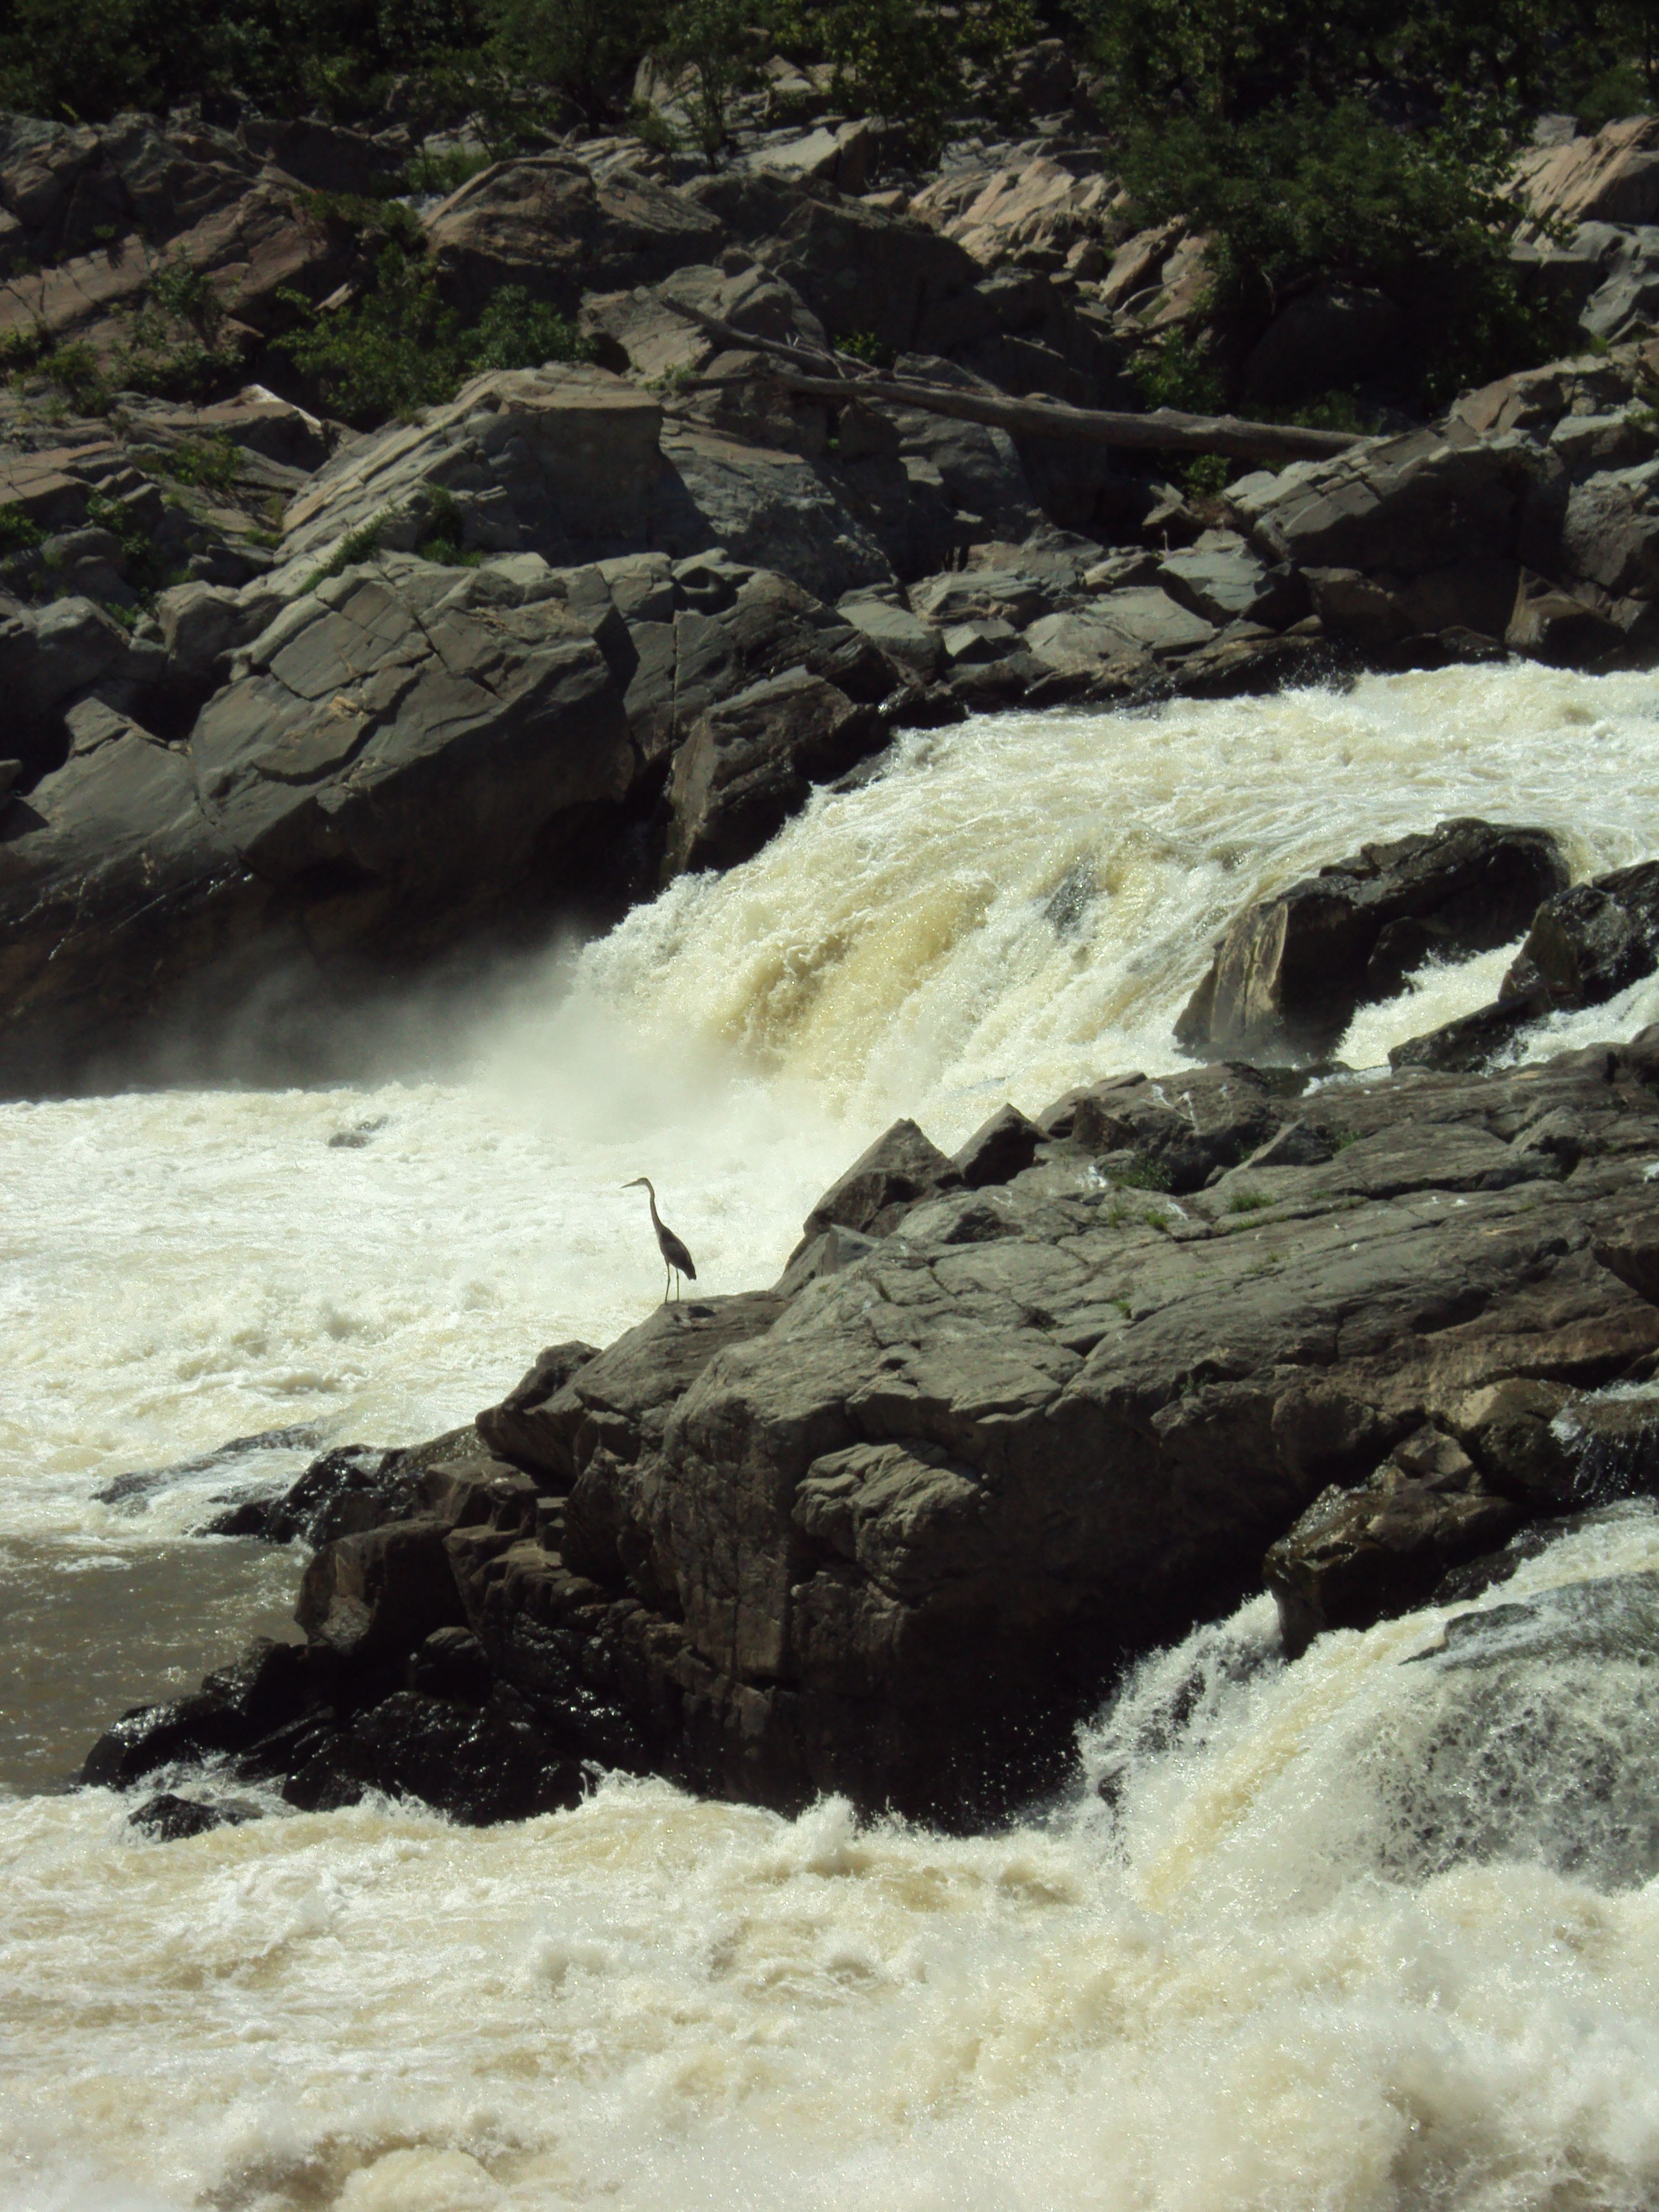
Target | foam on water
(1235,1979)
(1229,1991)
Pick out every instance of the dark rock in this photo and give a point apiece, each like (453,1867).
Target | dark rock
(1590,942)
(1357,1557)
(342,1492)
(515,1430)
(271,1685)
(1610,535)
(1430,500)
(999,1149)
(1330,337)
(170,1819)
(451,1663)
(1471,1041)
(1290,973)
(378,1594)
(1551,625)
(751,763)
(544,222)
(478,1764)
(900,1168)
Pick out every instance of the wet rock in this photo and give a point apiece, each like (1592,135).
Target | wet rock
(999,1149)
(1551,625)
(1471,1042)
(377,1595)
(1179,1130)
(170,1819)
(1587,944)
(516,1431)
(1290,973)
(477,1765)
(270,1687)
(1357,1557)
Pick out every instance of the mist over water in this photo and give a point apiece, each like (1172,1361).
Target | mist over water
(1239,1976)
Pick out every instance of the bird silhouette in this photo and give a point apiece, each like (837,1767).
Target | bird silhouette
(676,1258)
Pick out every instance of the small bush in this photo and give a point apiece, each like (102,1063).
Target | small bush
(19,532)
(866,346)
(1248,1201)
(1140,1175)
(76,372)
(400,349)
(443,541)
(215,461)
(360,544)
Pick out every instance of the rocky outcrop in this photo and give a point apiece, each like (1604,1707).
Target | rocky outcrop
(407,750)
(1292,972)
(1585,945)
(890,1528)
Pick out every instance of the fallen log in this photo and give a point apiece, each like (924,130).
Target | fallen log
(1161,429)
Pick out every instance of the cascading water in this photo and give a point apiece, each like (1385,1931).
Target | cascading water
(1372,1932)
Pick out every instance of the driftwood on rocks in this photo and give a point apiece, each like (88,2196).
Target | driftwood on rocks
(812,375)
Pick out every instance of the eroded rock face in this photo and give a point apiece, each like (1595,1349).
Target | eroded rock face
(1290,974)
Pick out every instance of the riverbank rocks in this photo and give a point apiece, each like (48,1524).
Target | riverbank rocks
(1290,973)
(893,1527)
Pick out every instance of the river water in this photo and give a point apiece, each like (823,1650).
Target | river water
(1237,1978)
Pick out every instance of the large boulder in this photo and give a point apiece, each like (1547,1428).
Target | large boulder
(1432,500)
(893,1527)
(861,270)
(115,888)
(407,745)
(562,462)
(1590,942)
(751,763)
(1612,177)
(1291,972)
(544,222)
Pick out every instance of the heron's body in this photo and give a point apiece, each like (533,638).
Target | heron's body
(676,1259)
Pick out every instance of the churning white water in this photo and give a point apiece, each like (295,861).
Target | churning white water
(1243,1974)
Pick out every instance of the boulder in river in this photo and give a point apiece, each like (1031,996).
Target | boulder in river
(1290,973)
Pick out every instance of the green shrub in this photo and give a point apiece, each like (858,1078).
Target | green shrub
(19,532)
(912,62)
(588,48)
(76,372)
(360,544)
(443,540)
(399,349)
(1301,195)
(444,172)
(215,461)
(866,346)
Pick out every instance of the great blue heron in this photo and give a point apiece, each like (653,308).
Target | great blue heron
(676,1258)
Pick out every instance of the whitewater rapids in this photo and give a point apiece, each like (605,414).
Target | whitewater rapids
(1224,1983)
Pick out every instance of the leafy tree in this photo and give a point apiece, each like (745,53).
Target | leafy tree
(589,49)
(912,62)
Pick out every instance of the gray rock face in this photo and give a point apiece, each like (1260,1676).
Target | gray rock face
(545,222)
(1611,530)
(381,742)
(1406,505)
(751,763)
(558,461)
(1290,973)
